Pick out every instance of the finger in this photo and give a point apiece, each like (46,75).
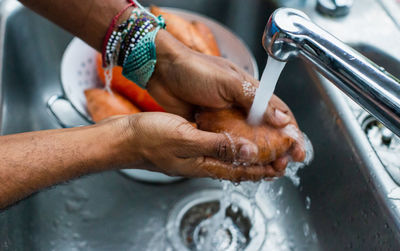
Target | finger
(215,169)
(298,152)
(276,118)
(242,90)
(224,147)
(278,113)
(281,163)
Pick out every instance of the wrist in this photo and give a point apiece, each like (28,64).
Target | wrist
(169,53)
(168,49)
(114,145)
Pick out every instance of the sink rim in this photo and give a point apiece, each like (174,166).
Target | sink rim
(328,101)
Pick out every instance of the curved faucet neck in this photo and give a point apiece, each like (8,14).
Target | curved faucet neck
(290,33)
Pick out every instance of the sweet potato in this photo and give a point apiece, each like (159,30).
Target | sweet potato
(272,143)
(127,88)
(101,104)
(184,31)
(208,36)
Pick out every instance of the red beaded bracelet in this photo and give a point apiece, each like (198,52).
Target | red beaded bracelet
(112,27)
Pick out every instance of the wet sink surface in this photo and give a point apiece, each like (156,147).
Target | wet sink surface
(109,211)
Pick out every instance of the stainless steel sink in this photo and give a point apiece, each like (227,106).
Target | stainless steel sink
(346,183)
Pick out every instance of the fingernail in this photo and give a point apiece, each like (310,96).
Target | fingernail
(248,153)
(281,116)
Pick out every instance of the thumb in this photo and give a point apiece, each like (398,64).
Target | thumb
(224,147)
(278,113)
(276,118)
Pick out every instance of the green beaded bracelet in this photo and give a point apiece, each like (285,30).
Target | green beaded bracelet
(140,63)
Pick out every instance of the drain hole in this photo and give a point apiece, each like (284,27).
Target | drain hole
(378,134)
(193,224)
(194,227)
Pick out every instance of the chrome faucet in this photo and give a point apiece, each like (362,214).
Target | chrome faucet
(290,33)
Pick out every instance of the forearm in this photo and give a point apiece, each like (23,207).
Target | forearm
(32,161)
(90,19)
(86,19)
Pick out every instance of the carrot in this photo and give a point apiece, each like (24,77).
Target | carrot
(102,104)
(127,88)
(272,143)
(208,37)
(183,30)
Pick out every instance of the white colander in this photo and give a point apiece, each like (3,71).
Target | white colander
(78,73)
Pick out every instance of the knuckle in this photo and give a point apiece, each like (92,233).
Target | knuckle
(222,150)
(184,131)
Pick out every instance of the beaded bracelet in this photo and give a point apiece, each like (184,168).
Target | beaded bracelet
(111,28)
(132,45)
(141,27)
(140,63)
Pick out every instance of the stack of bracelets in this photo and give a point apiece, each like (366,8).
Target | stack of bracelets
(132,44)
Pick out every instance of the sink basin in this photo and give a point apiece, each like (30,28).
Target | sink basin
(336,207)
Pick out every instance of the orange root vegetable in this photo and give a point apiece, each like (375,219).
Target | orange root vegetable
(208,36)
(127,88)
(184,31)
(102,104)
(272,143)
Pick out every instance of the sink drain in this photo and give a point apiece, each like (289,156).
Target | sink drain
(189,223)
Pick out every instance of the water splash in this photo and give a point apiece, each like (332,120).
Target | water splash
(214,229)
(293,167)
(219,223)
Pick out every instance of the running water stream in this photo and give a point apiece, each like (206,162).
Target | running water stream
(265,91)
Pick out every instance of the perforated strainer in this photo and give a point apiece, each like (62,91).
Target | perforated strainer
(78,72)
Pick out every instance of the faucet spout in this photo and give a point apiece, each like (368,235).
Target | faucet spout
(290,33)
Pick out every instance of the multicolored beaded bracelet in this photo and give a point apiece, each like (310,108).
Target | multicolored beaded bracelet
(140,63)
(142,27)
(110,30)
(132,45)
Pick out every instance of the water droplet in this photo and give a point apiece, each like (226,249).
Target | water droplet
(235,208)
(280,192)
(308,203)
(306,230)
(314,237)
(82,244)
(73,206)
(394,194)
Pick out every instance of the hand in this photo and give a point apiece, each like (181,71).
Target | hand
(184,80)
(175,147)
